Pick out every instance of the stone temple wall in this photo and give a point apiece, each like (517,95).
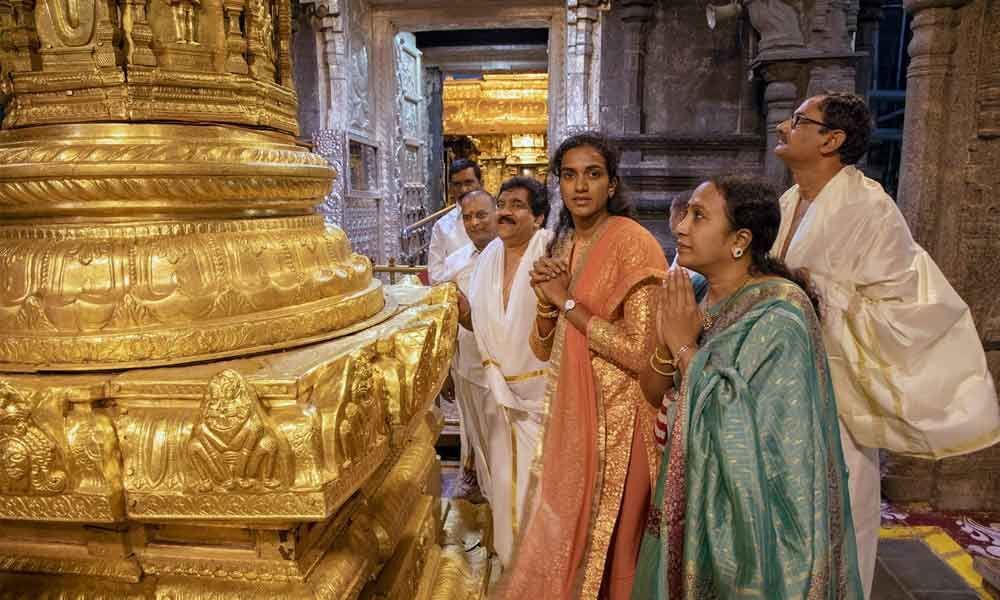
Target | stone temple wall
(682,107)
(948,192)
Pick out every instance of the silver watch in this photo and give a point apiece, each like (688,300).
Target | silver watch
(569,305)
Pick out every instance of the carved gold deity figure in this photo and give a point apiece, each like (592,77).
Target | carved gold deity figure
(232,446)
(30,460)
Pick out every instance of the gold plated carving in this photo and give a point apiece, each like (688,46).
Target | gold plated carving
(304,439)
(30,461)
(203,391)
(80,61)
(497,104)
(232,444)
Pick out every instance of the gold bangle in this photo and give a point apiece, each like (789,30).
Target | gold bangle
(668,362)
(554,313)
(652,365)
(538,334)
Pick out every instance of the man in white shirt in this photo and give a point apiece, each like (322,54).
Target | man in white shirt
(448,233)
(503,306)
(907,364)
(479,220)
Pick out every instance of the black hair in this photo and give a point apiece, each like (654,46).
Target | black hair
(752,203)
(461,164)
(848,113)
(618,203)
(538,194)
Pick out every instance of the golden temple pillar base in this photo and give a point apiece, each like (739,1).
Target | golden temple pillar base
(304,473)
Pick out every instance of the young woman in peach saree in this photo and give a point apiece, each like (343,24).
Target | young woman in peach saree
(593,474)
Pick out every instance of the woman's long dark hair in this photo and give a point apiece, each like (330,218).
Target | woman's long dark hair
(752,203)
(618,204)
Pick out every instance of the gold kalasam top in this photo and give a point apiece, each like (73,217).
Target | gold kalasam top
(217,61)
(514,103)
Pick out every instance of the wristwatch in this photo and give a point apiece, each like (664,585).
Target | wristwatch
(569,305)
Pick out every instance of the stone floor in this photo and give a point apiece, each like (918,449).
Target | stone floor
(907,569)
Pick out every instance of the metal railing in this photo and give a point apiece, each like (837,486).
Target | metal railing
(392,269)
(426,221)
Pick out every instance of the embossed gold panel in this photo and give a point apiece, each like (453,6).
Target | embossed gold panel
(307,469)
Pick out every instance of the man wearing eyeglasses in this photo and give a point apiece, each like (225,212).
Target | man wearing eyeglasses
(448,234)
(907,364)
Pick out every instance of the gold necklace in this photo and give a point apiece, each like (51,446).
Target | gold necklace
(708,320)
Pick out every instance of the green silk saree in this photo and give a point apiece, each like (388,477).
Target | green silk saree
(751,500)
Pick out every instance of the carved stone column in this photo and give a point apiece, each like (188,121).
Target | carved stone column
(635,15)
(582,91)
(927,85)
(780,99)
(948,186)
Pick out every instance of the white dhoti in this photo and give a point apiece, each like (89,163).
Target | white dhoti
(516,379)
(864,483)
(468,376)
(476,418)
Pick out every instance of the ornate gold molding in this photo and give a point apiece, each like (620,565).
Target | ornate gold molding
(497,104)
(287,440)
(117,171)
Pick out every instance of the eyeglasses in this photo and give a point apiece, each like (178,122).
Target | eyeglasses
(799,117)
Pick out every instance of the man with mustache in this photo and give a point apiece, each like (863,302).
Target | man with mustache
(503,306)
(448,233)
(479,221)
(907,364)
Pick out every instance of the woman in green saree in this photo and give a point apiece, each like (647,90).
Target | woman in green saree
(751,499)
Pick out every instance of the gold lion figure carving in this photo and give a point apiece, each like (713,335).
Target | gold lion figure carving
(30,460)
(232,446)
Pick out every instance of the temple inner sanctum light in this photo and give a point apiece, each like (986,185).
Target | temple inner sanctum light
(220,374)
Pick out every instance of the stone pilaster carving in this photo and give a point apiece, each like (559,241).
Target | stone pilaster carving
(582,88)
(926,120)
(988,122)
(635,16)
(780,98)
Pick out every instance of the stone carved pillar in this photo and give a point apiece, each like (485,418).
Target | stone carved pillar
(582,93)
(635,16)
(926,120)
(780,98)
